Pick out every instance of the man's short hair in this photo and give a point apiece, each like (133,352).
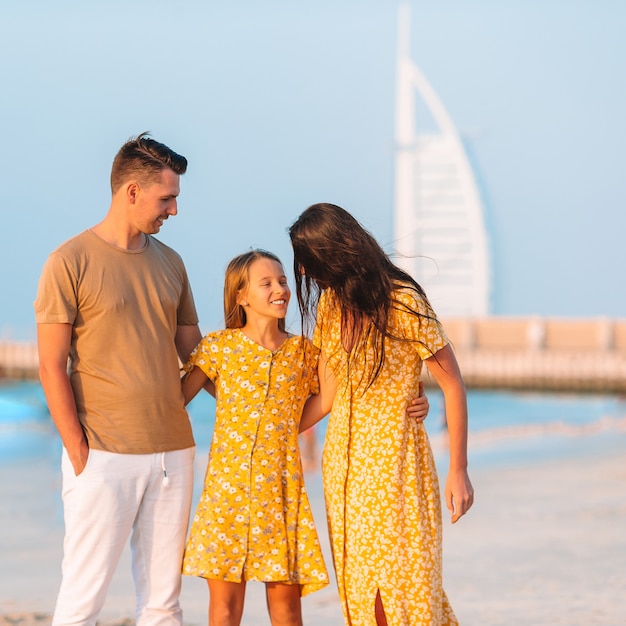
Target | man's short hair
(143,159)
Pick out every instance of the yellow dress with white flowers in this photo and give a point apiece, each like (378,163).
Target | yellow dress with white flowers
(380,481)
(254,521)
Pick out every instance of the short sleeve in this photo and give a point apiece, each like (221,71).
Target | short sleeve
(311,359)
(56,301)
(207,356)
(419,323)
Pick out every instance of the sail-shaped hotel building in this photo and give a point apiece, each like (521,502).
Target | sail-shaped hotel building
(439,230)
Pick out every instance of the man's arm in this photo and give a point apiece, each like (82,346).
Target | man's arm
(53,342)
(187,338)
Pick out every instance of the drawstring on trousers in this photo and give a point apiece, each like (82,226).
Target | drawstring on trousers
(166,480)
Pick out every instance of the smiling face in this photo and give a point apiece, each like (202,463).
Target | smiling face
(155,201)
(267,293)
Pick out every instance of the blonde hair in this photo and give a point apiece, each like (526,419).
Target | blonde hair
(236,279)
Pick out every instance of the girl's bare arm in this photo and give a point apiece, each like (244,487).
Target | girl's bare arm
(192,382)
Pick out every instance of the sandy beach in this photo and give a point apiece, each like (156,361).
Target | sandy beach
(544,544)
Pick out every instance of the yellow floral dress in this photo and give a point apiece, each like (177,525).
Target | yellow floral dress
(253,521)
(380,481)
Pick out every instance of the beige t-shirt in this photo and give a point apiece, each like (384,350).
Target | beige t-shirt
(124,306)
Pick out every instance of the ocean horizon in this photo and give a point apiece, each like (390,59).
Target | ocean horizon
(505,427)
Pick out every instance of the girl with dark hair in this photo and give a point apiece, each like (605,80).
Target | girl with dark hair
(375,327)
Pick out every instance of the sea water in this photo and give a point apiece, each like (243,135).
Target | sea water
(505,428)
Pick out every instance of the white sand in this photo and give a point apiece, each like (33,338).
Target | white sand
(544,544)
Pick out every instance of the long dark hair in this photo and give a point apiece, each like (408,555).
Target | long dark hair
(333,251)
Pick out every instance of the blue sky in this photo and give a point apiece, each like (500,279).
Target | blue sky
(279,104)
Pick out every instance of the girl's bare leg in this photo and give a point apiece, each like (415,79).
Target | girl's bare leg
(225,602)
(379,611)
(283,604)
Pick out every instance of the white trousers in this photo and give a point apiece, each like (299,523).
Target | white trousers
(146,497)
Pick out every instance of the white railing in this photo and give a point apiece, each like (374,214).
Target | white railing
(18,359)
(494,352)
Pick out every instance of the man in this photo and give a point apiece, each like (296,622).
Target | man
(117,303)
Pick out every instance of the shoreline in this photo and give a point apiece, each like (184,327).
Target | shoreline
(543,544)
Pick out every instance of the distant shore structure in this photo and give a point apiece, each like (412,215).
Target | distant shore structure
(439,230)
(530,353)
